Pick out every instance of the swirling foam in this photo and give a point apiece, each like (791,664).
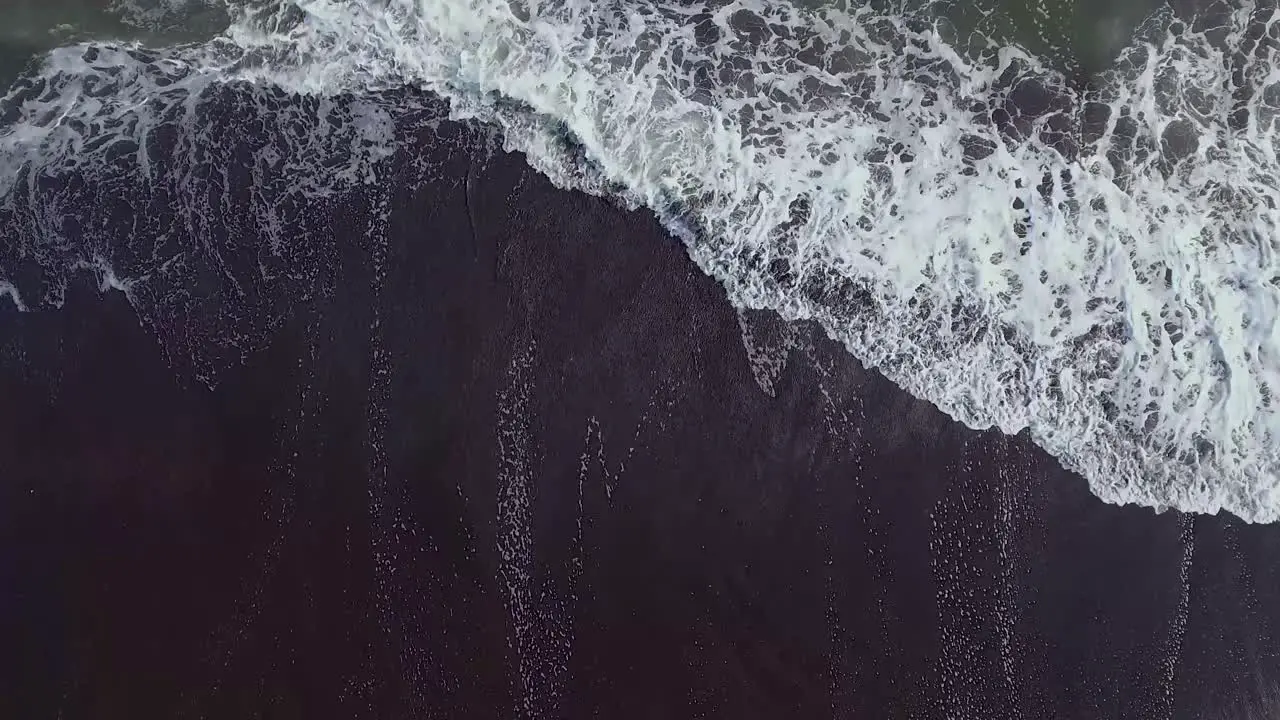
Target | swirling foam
(1098,269)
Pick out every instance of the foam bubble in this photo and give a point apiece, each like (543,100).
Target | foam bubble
(211,203)
(1097,268)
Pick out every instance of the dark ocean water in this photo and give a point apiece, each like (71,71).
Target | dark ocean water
(489,448)
(32,27)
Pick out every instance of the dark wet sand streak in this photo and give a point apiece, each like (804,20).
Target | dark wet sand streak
(691,545)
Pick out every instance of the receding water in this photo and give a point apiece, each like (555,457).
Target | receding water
(34,26)
(978,199)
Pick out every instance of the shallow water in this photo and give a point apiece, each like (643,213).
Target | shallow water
(1023,241)
(1080,36)
(31,27)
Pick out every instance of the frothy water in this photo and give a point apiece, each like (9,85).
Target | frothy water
(1091,262)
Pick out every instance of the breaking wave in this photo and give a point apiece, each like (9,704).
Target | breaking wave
(1092,263)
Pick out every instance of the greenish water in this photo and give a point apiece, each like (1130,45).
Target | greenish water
(34,26)
(1076,36)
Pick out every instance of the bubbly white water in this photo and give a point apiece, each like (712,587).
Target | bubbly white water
(1100,271)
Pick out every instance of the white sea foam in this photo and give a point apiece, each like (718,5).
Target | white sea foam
(1101,272)
(7,289)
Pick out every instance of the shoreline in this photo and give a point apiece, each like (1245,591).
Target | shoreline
(518,460)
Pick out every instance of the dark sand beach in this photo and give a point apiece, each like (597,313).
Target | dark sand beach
(515,459)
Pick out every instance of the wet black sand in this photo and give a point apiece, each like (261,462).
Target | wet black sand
(517,464)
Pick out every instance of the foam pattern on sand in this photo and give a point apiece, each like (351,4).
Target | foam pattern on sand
(1098,268)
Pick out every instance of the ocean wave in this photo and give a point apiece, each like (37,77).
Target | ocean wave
(1092,265)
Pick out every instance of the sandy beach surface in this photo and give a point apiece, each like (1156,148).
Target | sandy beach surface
(519,458)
